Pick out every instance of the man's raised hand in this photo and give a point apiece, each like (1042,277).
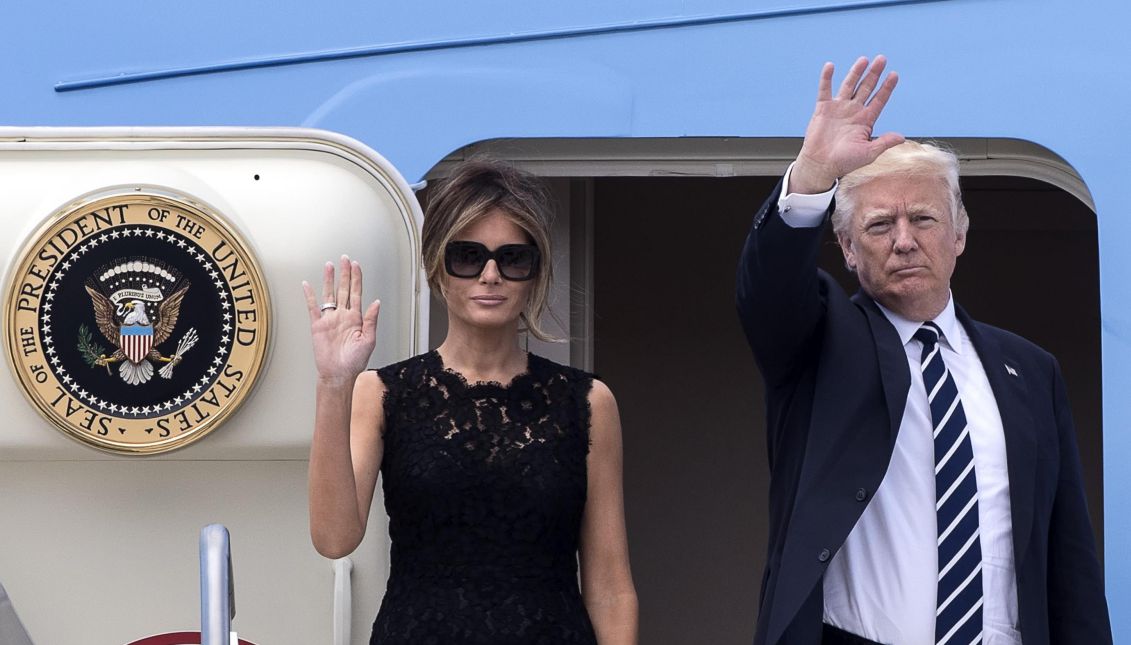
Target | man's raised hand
(839,137)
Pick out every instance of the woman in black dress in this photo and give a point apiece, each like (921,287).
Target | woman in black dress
(501,470)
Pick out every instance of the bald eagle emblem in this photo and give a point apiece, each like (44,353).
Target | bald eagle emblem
(136,304)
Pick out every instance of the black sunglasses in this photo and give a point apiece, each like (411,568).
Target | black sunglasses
(515,261)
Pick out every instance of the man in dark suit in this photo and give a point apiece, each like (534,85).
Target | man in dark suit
(925,479)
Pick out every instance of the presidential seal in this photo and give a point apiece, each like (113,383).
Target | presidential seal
(137,323)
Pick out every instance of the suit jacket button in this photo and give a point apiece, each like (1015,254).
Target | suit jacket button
(824,555)
(861,495)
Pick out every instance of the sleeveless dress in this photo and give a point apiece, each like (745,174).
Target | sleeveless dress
(485,487)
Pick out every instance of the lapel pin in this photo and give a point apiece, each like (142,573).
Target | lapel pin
(1009,370)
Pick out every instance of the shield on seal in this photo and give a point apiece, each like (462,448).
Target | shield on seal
(135,341)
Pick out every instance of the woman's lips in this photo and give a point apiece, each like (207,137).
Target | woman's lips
(489,300)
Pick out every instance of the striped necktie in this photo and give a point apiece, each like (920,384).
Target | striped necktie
(958,617)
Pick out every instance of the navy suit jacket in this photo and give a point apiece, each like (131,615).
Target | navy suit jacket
(836,379)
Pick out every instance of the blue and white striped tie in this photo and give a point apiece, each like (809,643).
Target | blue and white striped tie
(958,618)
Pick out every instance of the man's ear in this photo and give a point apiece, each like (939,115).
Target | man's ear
(846,248)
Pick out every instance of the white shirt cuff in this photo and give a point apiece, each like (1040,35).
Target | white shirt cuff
(803,211)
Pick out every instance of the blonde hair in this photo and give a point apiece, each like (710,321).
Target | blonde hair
(474,189)
(909,158)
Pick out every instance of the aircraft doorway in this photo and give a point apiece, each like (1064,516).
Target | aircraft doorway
(668,342)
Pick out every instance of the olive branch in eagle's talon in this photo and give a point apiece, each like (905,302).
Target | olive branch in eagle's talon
(92,353)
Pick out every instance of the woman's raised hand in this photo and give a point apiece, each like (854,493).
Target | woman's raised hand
(343,337)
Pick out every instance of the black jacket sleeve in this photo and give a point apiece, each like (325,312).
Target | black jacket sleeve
(778,293)
(1077,606)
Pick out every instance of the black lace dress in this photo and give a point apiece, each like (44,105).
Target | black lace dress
(485,488)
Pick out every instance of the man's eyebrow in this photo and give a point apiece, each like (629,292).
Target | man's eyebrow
(911,209)
(876,213)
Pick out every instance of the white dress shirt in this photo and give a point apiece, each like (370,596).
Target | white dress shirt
(882,582)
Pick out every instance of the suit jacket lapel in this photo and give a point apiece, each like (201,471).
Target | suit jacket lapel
(893,361)
(1009,388)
